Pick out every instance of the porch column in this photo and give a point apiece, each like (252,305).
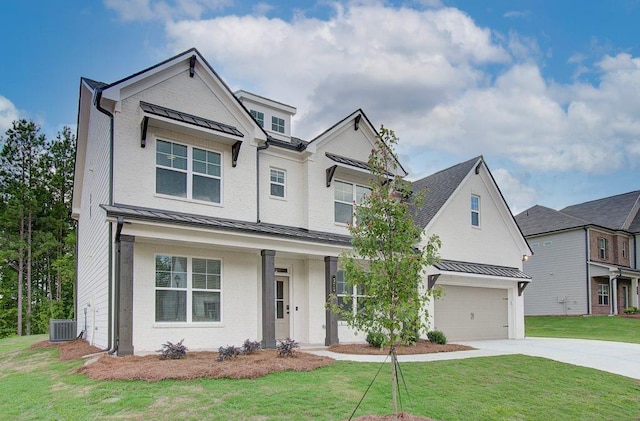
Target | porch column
(125,296)
(330,273)
(634,292)
(614,295)
(268,299)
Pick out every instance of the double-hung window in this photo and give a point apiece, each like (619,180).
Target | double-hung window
(602,248)
(277,124)
(603,294)
(346,197)
(350,297)
(187,289)
(188,172)
(258,116)
(277,182)
(475,210)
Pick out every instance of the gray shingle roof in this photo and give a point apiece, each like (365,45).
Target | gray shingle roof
(189,119)
(539,219)
(179,218)
(610,212)
(440,186)
(481,269)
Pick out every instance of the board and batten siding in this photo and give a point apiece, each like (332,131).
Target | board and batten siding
(558,272)
(93,235)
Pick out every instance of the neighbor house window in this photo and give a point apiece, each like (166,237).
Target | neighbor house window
(624,249)
(475,210)
(189,172)
(277,180)
(603,294)
(277,124)
(258,116)
(350,297)
(602,248)
(346,197)
(187,289)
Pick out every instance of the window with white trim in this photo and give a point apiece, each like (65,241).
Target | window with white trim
(346,197)
(603,251)
(277,182)
(277,124)
(188,289)
(189,172)
(475,210)
(603,294)
(350,297)
(624,249)
(258,116)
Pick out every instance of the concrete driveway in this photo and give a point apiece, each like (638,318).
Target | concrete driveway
(614,357)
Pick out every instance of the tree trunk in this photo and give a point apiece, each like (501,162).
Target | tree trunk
(20,276)
(394,380)
(29,263)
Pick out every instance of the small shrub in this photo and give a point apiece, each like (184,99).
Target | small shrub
(285,347)
(631,310)
(249,347)
(435,336)
(375,339)
(228,352)
(172,351)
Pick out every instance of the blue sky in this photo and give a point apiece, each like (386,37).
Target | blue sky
(548,91)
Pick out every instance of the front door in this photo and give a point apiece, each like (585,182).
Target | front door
(282,307)
(625,297)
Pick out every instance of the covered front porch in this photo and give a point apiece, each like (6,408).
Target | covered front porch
(612,288)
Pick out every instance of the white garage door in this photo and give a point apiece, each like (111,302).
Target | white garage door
(467,313)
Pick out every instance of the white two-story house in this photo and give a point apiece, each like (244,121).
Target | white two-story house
(200,217)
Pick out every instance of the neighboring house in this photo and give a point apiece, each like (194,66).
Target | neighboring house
(480,272)
(586,256)
(201,217)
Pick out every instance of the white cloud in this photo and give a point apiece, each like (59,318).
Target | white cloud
(516,14)
(8,113)
(518,195)
(261,9)
(426,74)
(144,10)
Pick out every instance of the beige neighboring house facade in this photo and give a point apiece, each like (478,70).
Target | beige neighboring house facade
(586,256)
(201,217)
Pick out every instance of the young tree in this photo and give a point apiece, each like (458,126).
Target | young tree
(385,264)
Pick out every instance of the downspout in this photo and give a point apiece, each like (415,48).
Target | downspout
(110,342)
(588,254)
(258,149)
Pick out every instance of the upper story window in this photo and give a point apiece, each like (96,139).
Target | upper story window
(277,124)
(277,181)
(624,249)
(189,172)
(258,116)
(187,289)
(603,248)
(346,197)
(475,210)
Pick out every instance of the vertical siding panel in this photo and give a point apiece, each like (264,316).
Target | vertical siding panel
(558,271)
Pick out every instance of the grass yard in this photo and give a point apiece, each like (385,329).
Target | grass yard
(605,328)
(35,385)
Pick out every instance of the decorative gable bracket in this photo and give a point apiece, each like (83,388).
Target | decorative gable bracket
(144,125)
(521,286)
(431,281)
(330,173)
(235,151)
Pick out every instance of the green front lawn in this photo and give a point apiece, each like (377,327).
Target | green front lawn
(605,328)
(35,385)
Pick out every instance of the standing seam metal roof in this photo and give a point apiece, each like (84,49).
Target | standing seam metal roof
(481,269)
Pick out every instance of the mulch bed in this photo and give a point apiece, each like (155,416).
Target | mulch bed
(70,350)
(422,347)
(200,364)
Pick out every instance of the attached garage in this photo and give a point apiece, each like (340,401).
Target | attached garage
(471,313)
